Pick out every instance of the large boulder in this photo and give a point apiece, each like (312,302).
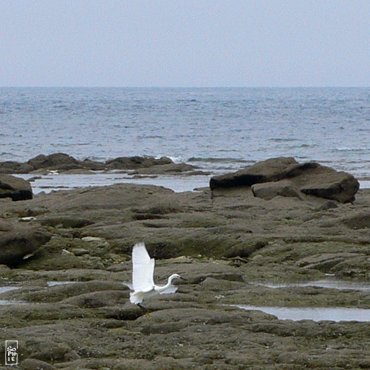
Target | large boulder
(324,182)
(14,188)
(286,177)
(16,243)
(330,184)
(269,170)
(56,161)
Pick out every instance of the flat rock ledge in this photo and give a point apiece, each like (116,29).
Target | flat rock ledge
(284,176)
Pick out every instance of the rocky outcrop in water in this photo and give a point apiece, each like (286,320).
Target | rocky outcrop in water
(57,161)
(133,163)
(286,177)
(62,162)
(14,188)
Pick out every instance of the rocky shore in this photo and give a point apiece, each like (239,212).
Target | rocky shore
(62,162)
(68,252)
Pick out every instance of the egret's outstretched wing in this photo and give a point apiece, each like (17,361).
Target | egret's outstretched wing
(142,269)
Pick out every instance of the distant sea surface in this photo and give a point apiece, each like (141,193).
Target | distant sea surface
(218,129)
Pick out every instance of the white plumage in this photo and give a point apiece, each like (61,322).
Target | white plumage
(143,286)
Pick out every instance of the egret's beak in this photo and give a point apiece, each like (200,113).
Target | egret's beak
(183,278)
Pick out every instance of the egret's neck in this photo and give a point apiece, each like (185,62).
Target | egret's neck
(169,282)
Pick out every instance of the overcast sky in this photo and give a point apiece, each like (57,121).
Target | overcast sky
(184,42)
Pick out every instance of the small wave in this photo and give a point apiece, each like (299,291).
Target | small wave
(56,145)
(187,100)
(150,137)
(283,140)
(10,155)
(354,150)
(173,158)
(289,147)
(218,160)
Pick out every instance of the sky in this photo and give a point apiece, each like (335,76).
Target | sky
(185,43)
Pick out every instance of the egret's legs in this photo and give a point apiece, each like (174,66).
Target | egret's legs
(147,312)
(142,307)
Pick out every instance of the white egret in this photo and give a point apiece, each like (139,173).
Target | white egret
(143,286)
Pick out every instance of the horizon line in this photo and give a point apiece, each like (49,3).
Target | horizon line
(191,87)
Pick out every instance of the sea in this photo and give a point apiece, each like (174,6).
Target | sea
(217,129)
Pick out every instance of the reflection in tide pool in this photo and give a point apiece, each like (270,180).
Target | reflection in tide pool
(327,283)
(313,313)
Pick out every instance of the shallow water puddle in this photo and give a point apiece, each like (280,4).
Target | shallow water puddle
(331,284)
(6,302)
(48,183)
(4,289)
(57,283)
(313,313)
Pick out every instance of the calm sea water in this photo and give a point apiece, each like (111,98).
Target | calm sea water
(220,129)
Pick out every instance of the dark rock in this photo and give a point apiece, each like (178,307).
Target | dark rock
(308,178)
(131,163)
(54,161)
(298,169)
(330,184)
(93,165)
(145,165)
(14,167)
(17,243)
(15,188)
(167,169)
(269,190)
(265,171)
(245,249)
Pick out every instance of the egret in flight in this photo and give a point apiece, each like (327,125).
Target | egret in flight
(143,286)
